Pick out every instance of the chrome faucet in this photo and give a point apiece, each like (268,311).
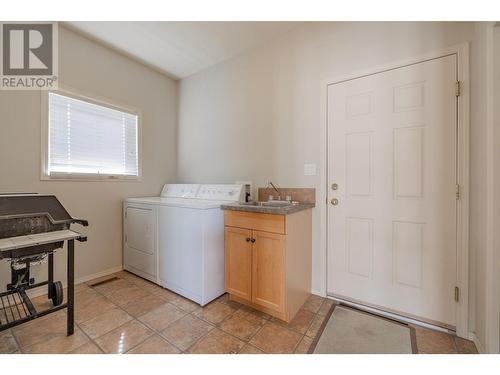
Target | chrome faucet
(275,188)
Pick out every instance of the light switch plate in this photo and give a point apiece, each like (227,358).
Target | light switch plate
(310,169)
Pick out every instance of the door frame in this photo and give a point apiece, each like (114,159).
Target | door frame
(463,130)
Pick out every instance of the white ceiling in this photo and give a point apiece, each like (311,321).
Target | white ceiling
(180,49)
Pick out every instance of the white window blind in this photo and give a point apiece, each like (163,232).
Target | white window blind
(85,138)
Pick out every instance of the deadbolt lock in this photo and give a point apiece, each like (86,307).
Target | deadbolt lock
(335,201)
(335,186)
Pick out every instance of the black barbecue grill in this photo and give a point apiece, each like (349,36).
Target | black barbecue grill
(32,228)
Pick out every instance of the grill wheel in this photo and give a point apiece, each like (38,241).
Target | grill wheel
(57,293)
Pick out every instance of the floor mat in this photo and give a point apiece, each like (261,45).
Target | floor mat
(349,331)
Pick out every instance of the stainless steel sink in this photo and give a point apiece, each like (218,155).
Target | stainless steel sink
(269,204)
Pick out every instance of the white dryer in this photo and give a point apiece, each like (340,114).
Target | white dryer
(177,239)
(140,229)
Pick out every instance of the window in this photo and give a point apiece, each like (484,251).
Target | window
(89,140)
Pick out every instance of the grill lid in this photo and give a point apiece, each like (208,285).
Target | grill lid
(23,214)
(18,205)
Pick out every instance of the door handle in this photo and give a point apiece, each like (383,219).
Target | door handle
(334,201)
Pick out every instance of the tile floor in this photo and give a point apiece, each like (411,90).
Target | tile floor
(131,315)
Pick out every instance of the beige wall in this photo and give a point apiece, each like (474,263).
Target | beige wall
(260,116)
(94,69)
(495,287)
(477,239)
(484,185)
(496,123)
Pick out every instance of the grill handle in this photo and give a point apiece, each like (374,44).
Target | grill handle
(83,222)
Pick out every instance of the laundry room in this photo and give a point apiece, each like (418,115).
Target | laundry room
(262,186)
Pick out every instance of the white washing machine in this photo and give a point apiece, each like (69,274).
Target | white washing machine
(177,240)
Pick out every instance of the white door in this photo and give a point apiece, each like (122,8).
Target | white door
(392,153)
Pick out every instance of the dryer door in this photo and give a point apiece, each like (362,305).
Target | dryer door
(140,242)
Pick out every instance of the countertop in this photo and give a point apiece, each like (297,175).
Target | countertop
(287,210)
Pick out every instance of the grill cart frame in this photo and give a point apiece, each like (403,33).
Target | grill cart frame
(33,227)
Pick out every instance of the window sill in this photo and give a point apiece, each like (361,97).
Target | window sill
(89,177)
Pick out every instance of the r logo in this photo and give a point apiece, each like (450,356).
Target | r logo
(27,49)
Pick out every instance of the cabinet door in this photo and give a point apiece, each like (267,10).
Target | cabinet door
(238,262)
(269,270)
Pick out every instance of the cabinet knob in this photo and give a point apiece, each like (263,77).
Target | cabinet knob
(253,240)
(248,239)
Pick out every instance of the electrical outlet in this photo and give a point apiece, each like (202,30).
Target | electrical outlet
(310,169)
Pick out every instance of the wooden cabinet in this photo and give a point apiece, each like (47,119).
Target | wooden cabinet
(268,260)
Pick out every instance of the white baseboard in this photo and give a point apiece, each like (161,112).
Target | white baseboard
(318,293)
(98,274)
(43,289)
(479,346)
